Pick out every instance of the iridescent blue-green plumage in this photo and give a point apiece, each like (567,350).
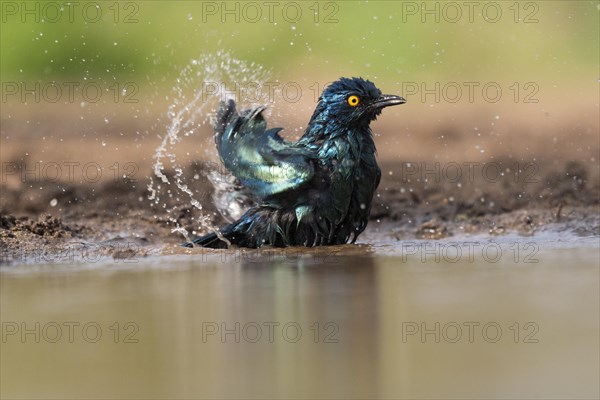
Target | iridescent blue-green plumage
(316,191)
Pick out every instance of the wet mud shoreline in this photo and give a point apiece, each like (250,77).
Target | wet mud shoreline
(50,221)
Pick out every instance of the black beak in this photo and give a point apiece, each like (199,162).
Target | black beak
(387,100)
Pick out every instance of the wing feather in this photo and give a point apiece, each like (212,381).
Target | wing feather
(261,159)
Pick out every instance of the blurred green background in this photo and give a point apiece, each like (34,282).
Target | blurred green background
(151,41)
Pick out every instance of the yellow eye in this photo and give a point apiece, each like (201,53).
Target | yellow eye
(353,100)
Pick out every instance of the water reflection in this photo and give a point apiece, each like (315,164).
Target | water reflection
(258,327)
(265,325)
(313,328)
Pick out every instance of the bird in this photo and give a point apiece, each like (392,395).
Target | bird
(316,191)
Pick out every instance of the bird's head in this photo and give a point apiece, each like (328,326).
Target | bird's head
(354,101)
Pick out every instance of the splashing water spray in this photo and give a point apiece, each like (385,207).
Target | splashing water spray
(196,95)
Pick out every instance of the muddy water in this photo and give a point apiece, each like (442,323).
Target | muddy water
(379,320)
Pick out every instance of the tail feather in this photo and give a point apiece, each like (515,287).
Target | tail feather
(211,240)
(279,228)
(235,233)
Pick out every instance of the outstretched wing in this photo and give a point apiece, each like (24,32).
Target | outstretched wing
(261,159)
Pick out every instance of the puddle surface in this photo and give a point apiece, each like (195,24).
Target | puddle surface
(356,322)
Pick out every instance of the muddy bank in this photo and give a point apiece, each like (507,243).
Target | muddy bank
(50,221)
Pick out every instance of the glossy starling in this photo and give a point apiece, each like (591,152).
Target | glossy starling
(316,191)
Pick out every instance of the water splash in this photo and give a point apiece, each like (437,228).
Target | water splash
(195,98)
